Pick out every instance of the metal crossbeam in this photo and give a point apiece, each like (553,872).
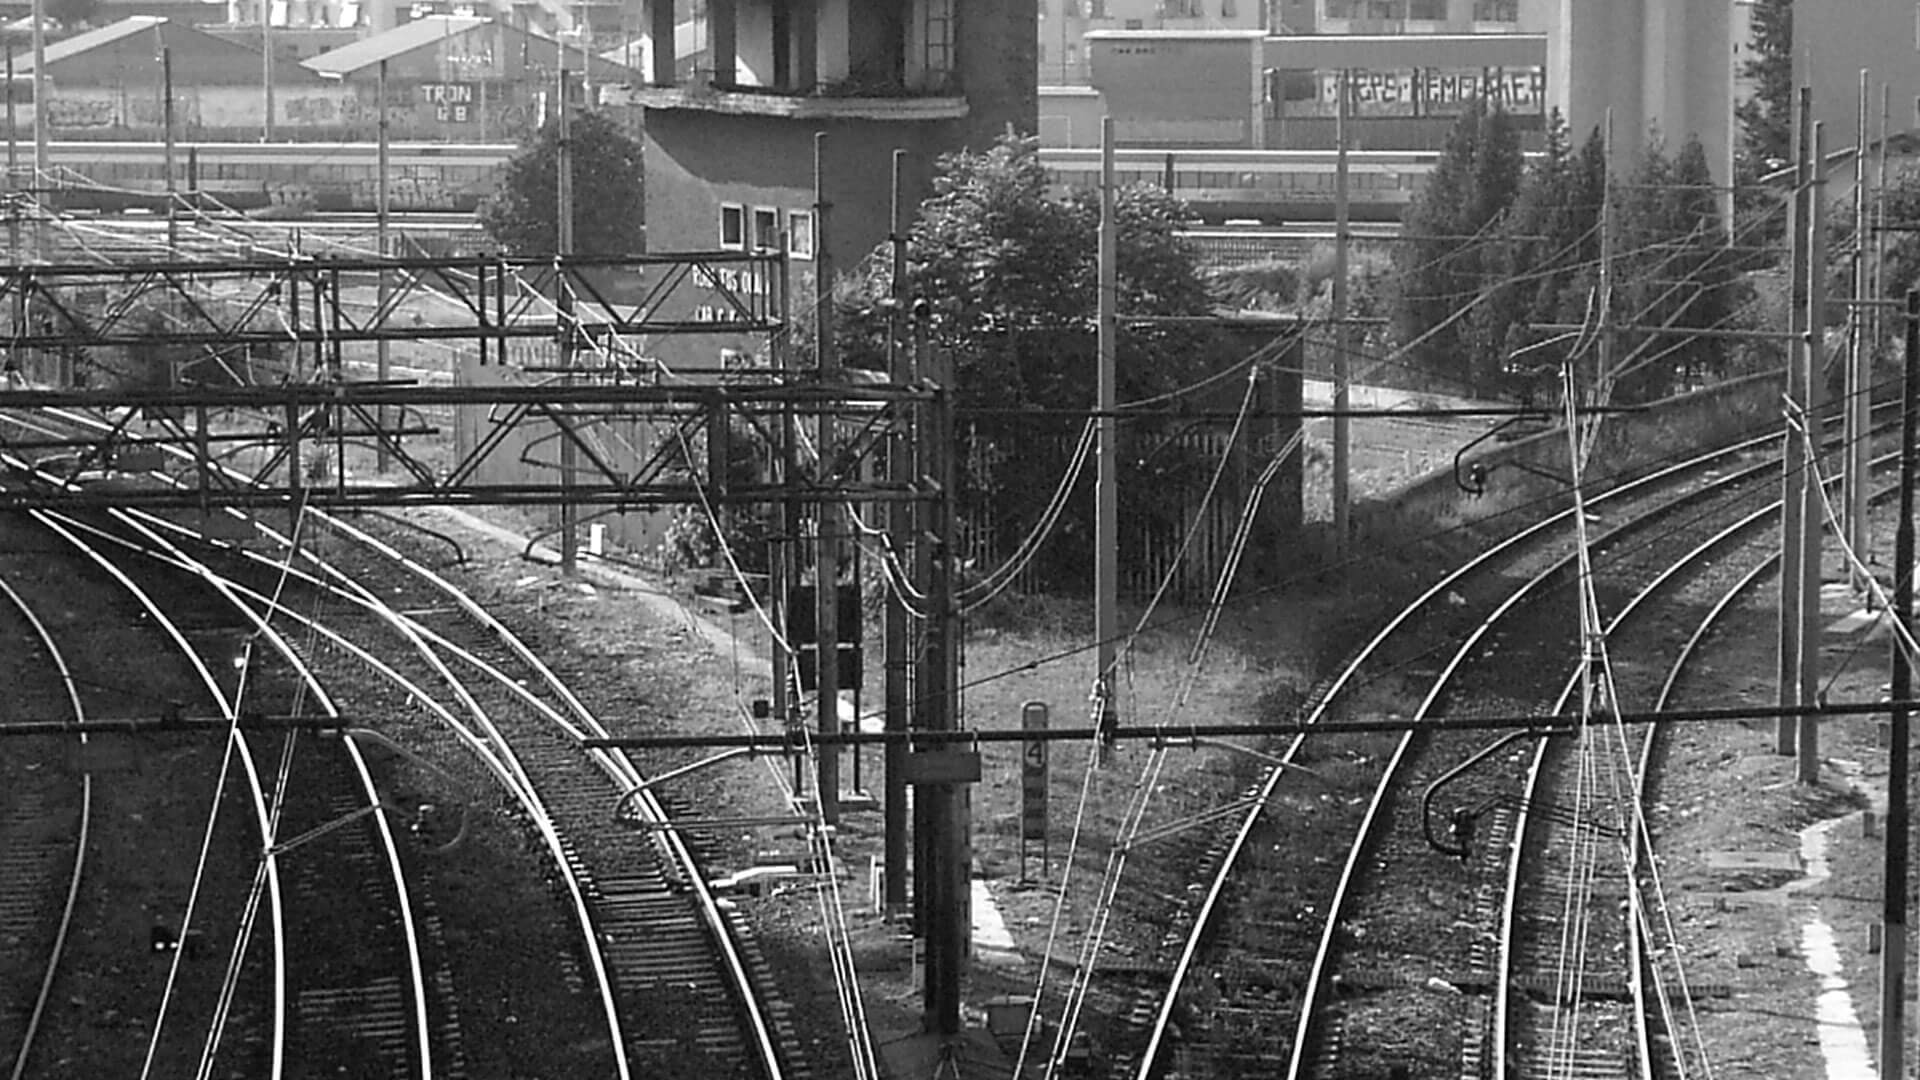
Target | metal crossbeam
(329,301)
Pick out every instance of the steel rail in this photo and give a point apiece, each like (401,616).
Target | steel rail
(1316,986)
(620,768)
(263,628)
(82,832)
(1530,790)
(495,752)
(229,710)
(1648,1066)
(1150,1064)
(1212,902)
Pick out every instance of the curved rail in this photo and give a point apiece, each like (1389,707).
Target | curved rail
(620,768)
(238,744)
(65,921)
(1530,792)
(617,766)
(1637,840)
(264,630)
(1150,1063)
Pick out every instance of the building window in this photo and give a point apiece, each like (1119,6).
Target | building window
(1500,11)
(1427,10)
(733,227)
(800,234)
(1097,8)
(1227,9)
(766,229)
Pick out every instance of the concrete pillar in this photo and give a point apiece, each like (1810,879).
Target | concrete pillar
(726,37)
(660,18)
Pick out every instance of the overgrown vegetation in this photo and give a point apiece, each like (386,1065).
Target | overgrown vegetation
(523,216)
(1499,260)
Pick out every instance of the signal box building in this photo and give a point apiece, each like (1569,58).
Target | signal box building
(730,150)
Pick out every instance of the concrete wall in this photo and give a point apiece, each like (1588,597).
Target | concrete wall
(1833,42)
(499,112)
(1663,65)
(998,68)
(1714,416)
(768,162)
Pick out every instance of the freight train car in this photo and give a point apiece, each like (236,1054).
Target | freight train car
(318,177)
(1270,186)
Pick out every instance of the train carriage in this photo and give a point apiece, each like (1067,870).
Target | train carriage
(322,177)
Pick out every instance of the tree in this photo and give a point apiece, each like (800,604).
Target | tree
(1012,276)
(1674,270)
(1766,119)
(1011,273)
(1449,255)
(1549,258)
(522,216)
(1766,124)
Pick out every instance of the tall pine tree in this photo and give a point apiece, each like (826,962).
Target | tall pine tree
(1673,272)
(1451,250)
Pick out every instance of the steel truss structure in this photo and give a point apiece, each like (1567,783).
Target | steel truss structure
(256,446)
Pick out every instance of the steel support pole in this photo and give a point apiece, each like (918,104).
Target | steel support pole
(948,926)
(13,166)
(1342,369)
(166,126)
(563,300)
(1893,940)
(1793,452)
(1807,745)
(382,242)
(1106,523)
(896,619)
(827,512)
(266,71)
(1859,359)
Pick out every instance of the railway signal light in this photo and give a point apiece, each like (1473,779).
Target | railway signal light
(162,939)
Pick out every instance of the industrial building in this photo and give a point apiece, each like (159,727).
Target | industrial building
(1663,66)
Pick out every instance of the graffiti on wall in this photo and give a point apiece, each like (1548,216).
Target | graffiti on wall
(71,113)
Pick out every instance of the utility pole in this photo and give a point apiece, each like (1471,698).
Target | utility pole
(266,71)
(1893,937)
(1106,506)
(41,119)
(13,167)
(382,194)
(1859,382)
(827,513)
(563,301)
(1793,452)
(1814,355)
(166,124)
(1603,354)
(1342,367)
(896,619)
(946,923)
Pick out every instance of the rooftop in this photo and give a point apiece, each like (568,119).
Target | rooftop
(388,44)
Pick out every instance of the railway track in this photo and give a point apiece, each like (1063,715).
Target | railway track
(646,913)
(46,817)
(1389,961)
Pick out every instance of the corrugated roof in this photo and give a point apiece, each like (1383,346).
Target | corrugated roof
(401,39)
(90,40)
